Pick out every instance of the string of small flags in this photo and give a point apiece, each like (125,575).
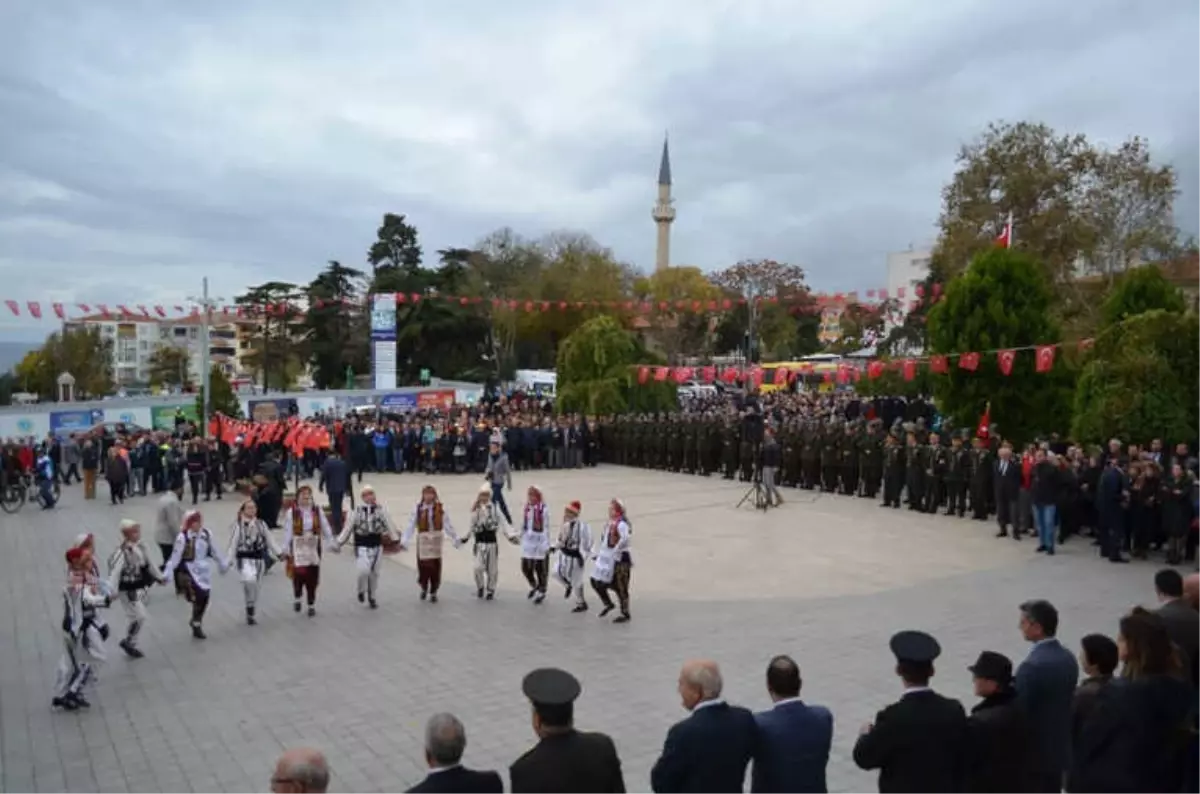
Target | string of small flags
(846,372)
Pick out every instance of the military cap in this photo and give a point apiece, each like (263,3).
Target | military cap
(549,686)
(914,646)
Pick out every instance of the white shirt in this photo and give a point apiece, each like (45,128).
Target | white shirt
(447,527)
(535,545)
(706,703)
(204,551)
(306,524)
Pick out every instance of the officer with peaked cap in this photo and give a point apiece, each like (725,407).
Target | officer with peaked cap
(917,742)
(564,760)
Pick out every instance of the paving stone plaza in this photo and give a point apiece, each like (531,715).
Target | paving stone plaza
(827,580)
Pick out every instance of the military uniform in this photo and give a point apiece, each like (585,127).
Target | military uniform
(981,480)
(893,470)
(937,463)
(957,474)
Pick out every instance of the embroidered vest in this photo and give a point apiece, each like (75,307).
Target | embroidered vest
(370,521)
(252,543)
(423,517)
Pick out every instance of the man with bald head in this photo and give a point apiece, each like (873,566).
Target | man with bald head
(302,769)
(711,748)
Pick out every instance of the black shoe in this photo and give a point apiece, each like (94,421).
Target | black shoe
(580,608)
(424,595)
(606,610)
(250,621)
(479,593)
(198,632)
(296,607)
(621,619)
(80,701)
(1118,559)
(1002,534)
(130,651)
(490,597)
(532,593)
(568,593)
(362,597)
(1040,549)
(433,598)
(373,604)
(1050,552)
(312,612)
(65,703)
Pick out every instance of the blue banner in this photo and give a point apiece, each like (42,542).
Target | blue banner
(66,422)
(399,402)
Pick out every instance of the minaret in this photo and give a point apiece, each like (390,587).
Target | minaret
(663,213)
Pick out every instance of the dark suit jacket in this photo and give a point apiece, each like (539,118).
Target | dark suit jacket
(1008,486)
(1046,683)
(793,749)
(917,744)
(708,751)
(460,780)
(1183,625)
(570,762)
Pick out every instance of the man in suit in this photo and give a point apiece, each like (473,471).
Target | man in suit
(335,481)
(445,741)
(711,748)
(1111,491)
(793,737)
(1008,488)
(300,770)
(1046,683)
(564,760)
(1180,619)
(918,742)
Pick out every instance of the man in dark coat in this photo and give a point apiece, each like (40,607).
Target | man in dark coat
(998,748)
(1179,618)
(710,750)
(445,742)
(1046,683)
(564,760)
(917,743)
(1007,478)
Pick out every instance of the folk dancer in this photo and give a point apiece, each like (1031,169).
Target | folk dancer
(83,631)
(191,566)
(131,573)
(535,543)
(305,529)
(573,545)
(252,545)
(432,525)
(485,526)
(372,527)
(613,562)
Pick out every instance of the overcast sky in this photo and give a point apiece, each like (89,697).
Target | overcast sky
(145,144)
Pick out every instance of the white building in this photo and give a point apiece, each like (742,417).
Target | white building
(905,269)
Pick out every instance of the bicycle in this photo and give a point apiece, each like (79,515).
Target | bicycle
(33,491)
(12,496)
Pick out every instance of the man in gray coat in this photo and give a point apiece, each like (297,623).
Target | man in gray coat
(499,474)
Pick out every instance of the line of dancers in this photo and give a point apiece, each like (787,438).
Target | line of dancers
(196,555)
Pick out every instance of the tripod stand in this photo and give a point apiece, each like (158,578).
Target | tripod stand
(756,490)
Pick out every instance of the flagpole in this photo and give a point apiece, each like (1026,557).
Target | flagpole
(1010,229)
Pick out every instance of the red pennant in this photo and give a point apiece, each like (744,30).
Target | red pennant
(682,374)
(781,376)
(103,309)
(178,309)
(709,374)
(874,369)
(1005,359)
(83,307)
(726,304)
(968,361)
(1045,357)
(900,292)
(883,294)
(124,310)
(937,290)
(910,369)
(160,311)
(401,298)
(920,290)
(59,311)
(661,373)
(35,309)
(145,312)
(643,374)
(414,298)
(939,364)
(756,377)
(13,307)
(729,375)
(870,294)
(843,373)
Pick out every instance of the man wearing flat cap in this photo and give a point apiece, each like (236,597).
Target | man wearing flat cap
(564,760)
(917,742)
(999,748)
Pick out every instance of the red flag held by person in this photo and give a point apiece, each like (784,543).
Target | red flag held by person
(985,423)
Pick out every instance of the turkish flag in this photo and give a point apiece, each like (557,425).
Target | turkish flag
(985,423)
(1045,357)
(661,373)
(59,311)
(843,373)
(756,376)
(643,374)
(781,376)
(709,374)
(13,307)
(1005,359)
(968,361)
(35,309)
(910,369)
(683,374)
(939,364)
(729,375)
(874,369)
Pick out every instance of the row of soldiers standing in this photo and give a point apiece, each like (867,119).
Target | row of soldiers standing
(858,458)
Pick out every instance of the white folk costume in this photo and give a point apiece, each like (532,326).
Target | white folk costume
(613,564)
(191,565)
(83,633)
(249,546)
(485,531)
(131,573)
(574,545)
(306,532)
(535,544)
(432,526)
(372,528)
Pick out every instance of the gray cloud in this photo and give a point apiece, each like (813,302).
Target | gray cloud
(145,145)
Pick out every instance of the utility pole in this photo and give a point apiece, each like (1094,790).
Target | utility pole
(207,304)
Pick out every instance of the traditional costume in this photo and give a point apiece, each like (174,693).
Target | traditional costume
(431,525)
(485,528)
(535,544)
(131,573)
(573,546)
(613,562)
(191,565)
(372,528)
(83,631)
(305,529)
(251,545)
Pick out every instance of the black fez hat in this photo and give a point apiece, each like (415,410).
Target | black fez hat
(551,687)
(914,646)
(992,666)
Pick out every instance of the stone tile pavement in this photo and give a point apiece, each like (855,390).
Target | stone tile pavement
(825,580)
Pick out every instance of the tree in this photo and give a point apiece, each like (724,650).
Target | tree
(337,325)
(1002,301)
(396,247)
(277,343)
(596,371)
(862,326)
(774,298)
(682,294)
(81,351)
(224,399)
(1072,203)
(1138,291)
(504,267)
(891,382)
(170,365)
